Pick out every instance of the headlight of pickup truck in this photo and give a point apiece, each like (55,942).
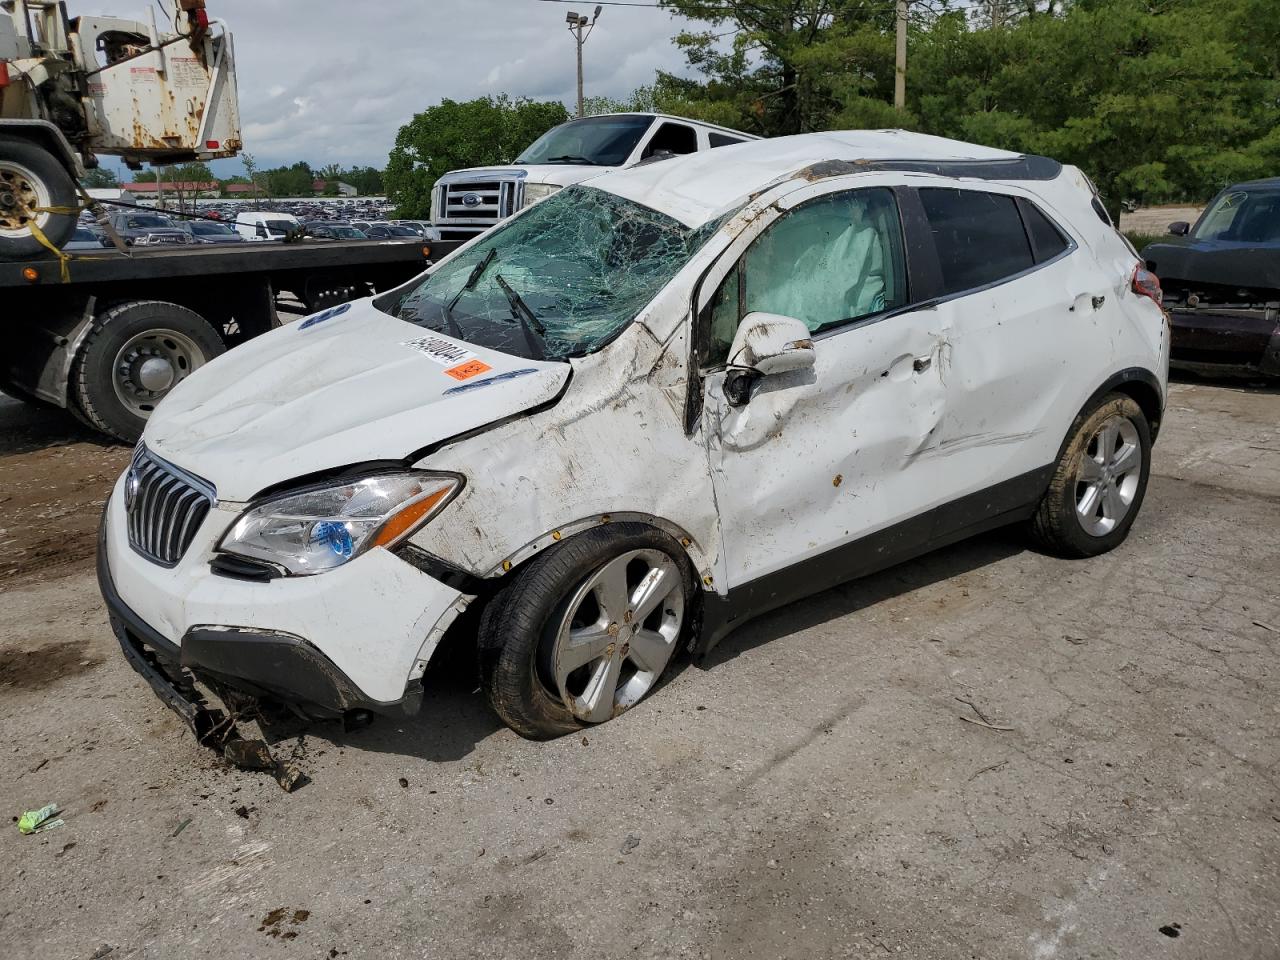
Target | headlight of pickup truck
(310,531)
(533,192)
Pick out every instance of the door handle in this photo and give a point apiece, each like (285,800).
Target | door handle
(921,364)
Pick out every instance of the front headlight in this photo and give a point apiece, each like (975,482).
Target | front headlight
(310,531)
(533,192)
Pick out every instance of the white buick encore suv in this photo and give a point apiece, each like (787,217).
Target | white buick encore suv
(635,415)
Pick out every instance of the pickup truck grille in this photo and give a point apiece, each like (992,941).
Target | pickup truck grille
(480,203)
(164,507)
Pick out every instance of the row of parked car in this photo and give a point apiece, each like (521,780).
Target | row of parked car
(152,228)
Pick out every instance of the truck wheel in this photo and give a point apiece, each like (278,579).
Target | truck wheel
(133,356)
(1099,483)
(584,631)
(31,181)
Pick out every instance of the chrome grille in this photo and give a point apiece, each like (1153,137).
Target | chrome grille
(164,507)
(492,200)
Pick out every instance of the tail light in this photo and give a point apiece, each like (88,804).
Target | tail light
(1147,284)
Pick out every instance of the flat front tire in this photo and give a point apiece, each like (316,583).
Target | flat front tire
(586,630)
(1099,482)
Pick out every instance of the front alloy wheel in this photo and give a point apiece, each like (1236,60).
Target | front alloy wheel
(585,631)
(617,635)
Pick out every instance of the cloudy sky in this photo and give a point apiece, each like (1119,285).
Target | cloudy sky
(330,82)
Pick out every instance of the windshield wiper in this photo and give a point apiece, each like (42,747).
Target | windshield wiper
(573,158)
(528,319)
(472,279)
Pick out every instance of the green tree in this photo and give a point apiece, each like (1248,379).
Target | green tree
(792,66)
(191,173)
(453,135)
(101,178)
(1154,101)
(145,176)
(295,180)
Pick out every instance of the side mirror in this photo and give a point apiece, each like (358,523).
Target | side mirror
(769,344)
(1179,228)
(765,345)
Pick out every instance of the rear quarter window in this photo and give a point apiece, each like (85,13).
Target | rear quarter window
(1047,240)
(979,237)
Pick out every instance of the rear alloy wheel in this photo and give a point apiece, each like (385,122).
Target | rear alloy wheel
(1101,478)
(586,630)
(1108,476)
(32,182)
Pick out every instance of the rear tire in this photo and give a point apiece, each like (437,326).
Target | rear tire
(31,178)
(534,625)
(1099,483)
(134,355)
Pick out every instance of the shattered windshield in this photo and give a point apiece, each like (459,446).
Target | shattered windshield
(600,141)
(559,281)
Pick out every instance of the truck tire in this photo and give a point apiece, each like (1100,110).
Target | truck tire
(32,180)
(132,357)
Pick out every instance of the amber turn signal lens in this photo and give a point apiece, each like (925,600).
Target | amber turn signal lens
(408,518)
(426,251)
(30,274)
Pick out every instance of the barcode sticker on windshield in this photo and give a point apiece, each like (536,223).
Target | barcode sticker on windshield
(440,350)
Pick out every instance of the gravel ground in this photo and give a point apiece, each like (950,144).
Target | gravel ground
(812,791)
(1156,220)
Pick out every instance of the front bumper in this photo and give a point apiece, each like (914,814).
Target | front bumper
(326,645)
(1226,339)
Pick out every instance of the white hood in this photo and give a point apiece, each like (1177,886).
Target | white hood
(346,386)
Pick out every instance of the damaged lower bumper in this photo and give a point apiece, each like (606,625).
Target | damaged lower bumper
(237,665)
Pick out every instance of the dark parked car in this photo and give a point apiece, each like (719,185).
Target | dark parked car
(1221,280)
(206,231)
(389,231)
(322,230)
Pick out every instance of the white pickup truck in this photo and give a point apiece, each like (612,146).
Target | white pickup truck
(467,202)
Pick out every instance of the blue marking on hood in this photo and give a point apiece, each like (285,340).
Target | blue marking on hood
(324,315)
(509,375)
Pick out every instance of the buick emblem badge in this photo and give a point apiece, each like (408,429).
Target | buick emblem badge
(131,484)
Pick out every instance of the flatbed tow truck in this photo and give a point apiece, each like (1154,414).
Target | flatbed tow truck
(107,333)
(107,339)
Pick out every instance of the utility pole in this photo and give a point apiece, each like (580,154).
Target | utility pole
(576,23)
(900,71)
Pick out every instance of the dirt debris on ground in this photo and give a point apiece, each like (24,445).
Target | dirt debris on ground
(825,803)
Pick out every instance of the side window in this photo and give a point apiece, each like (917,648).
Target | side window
(979,237)
(1047,240)
(720,140)
(828,262)
(672,138)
